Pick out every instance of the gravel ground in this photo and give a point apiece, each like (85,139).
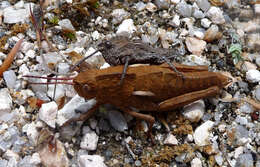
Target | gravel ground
(220,131)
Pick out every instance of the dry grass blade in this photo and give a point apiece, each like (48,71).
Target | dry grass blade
(9,59)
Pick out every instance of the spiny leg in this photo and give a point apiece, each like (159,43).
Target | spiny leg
(84,116)
(172,66)
(187,98)
(150,119)
(124,70)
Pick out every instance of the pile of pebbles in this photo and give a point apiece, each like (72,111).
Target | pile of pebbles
(209,132)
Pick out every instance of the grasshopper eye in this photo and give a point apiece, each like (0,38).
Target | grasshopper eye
(108,44)
(86,87)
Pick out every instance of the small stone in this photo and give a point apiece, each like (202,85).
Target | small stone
(140,6)
(91,160)
(30,54)
(253,76)
(241,120)
(219,159)
(151,7)
(257,9)
(195,46)
(205,22)
(127,26)
(138,163)
(203,5)
(119,15)
(48,112)
(199,33)
(63,68)
(93,123)
(19,5)
(202,133)
(216,15)
(68,111)
(184,9)
(10,154)
(196,60)
(95,35)
(198,14)
(196,162)
(117,120)
(10,79)
(194,111)
(32,132)
(257,93)
(175,22)
(246,108)
(238,151)
(222,128)
(26,46)
(175,1)
(170,140)
(66,25)
(12,16)
(89,141)
(212,34)
(257,61)
(189,138)
(35,159)
(245,160)
(96,60)
(57,158)
(5,101)
(246,66)
(162,4)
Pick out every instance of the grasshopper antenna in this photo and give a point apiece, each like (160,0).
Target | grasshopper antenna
(82,60)
(57,80)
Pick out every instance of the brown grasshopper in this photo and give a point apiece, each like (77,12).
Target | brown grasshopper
(147,88)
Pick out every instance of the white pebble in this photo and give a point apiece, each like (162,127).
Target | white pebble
(89,141)
(10,78)
(30,54)
(48,112)
(205,22)
(194,111)
(126,26)
(5,101)
(35,159)
(202,133)
(66,24)
(32,132)
(171,140)
(196,162)
(216,15)
(253,76)
(91,160)
(12,16)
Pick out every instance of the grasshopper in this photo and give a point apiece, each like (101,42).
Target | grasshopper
(147,88)
(120,50)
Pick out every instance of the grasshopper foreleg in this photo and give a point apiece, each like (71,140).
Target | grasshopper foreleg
(124,70)
(150,119)
(172,66)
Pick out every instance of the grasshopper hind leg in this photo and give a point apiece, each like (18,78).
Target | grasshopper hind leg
(172,66)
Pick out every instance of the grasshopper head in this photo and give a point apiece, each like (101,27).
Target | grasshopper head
(85,86)
(106,45)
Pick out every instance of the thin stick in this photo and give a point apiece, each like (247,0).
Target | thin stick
(9,59)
